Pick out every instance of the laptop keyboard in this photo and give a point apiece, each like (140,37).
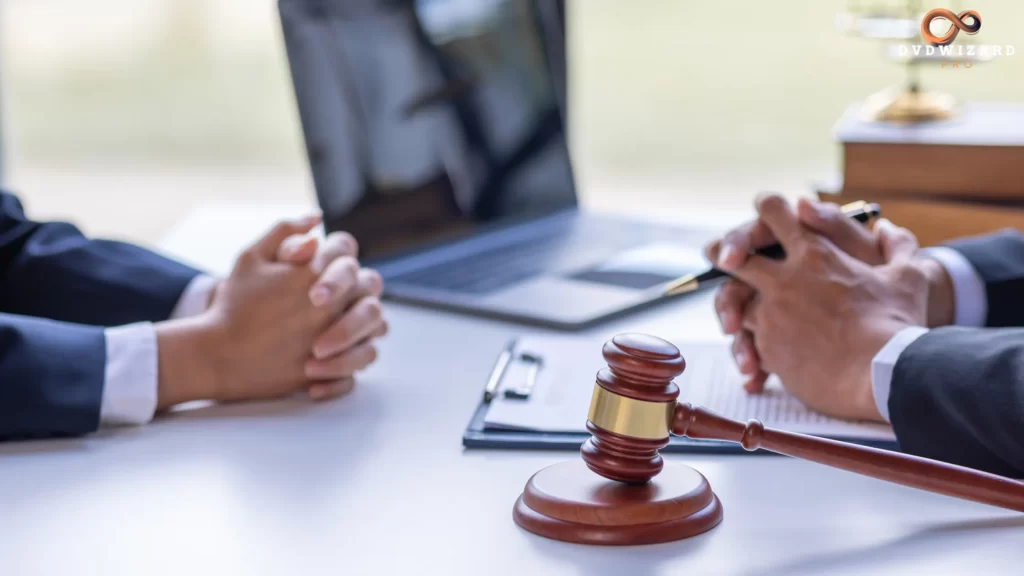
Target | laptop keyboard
(500,267)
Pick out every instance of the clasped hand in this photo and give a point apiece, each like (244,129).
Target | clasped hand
(295,314)
(819,316)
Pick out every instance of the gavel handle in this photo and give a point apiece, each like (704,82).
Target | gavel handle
(913,471)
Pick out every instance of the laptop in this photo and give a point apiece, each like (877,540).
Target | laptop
(436,135)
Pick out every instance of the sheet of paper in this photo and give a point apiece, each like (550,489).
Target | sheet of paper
(564,385)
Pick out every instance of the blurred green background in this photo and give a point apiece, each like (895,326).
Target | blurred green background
(124,114)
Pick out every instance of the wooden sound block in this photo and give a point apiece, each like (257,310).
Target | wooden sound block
(571,503)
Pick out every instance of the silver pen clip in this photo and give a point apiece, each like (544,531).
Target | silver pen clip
(498,372)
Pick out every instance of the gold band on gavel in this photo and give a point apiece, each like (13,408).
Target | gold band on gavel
(628,417)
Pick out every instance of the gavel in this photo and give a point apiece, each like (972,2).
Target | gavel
(622,496)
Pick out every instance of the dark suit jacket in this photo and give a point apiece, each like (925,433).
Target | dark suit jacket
(958,393)
(58,290)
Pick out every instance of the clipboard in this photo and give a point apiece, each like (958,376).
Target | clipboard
(477,435)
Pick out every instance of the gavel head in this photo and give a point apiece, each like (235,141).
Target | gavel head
(632,407)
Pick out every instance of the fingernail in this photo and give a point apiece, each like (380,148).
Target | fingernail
(317,264)
(321,352)
(316,392)
(293,248)
(312,370)
(319,295)
(741,359)
(723,258)
(710,249)
(725,319)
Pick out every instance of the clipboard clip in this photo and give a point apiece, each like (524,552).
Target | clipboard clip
(523,392)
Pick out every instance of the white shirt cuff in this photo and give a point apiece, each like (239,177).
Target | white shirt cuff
(196,297)
(883,364)
(970,301)
(970,308)
(130,378)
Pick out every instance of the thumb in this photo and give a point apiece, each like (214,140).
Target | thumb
(895,242)
(847,234)
(268,246)
(297,249)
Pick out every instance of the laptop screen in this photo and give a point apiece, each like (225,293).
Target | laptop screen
(426,120)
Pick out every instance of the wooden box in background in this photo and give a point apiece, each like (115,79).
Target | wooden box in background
(942,180)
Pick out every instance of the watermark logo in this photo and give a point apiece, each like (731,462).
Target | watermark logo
(940,48)
(957,25)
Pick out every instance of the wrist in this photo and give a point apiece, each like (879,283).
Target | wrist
(940,292)
(877,335)
(187,365)
(212,296)
(868,405)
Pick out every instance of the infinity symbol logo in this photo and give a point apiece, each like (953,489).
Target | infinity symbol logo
(957,21)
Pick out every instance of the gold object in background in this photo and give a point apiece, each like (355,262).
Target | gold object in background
(896,22)
(909,106)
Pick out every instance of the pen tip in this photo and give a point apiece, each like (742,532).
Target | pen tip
(682,285)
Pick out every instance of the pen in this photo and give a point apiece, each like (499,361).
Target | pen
(860,211)
(498,371)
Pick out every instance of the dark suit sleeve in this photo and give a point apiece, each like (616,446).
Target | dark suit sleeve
(958,395)
(50,270)
(51,377)
(999,260)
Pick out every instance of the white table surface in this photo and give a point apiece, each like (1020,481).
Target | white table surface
(378,482)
